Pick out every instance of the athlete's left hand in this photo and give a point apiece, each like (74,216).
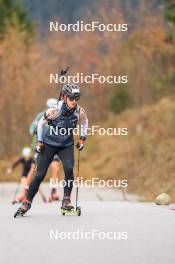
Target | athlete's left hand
(80,144)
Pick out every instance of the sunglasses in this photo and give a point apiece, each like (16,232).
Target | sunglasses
(74,97)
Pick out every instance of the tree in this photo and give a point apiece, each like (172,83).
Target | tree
(12,13)
(120,100)
(170,10)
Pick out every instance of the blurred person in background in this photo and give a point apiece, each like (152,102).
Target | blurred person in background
(26,161)
(55,165)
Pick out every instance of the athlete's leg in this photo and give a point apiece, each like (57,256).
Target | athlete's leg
(21,197)
(55,168)
(23,181)
(67,158)
(30,174)
(44,161)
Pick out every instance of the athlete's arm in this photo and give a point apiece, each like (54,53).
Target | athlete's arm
(40,128)
(84,123)
(16,163)
(33,126)
(49,115)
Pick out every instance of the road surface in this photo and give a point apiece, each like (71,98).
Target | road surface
(108,231)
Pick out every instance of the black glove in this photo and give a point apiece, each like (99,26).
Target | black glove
(80,144)
(39,147)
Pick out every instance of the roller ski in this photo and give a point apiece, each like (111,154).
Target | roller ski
(68,208)
(23,208)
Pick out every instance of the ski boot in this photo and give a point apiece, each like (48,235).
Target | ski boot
(68,208)
(21,198)
(66,205)
(23,208)
(53,196)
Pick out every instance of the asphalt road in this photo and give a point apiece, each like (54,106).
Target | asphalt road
(108,231)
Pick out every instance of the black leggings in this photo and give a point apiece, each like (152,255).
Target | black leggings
(66,156)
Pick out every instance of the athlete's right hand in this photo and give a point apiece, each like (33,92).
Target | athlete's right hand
(39,147)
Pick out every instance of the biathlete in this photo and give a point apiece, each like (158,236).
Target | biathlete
(65,115)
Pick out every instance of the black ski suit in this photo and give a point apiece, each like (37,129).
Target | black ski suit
(57,143)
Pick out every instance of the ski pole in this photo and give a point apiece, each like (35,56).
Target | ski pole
(78,172)
(17,189)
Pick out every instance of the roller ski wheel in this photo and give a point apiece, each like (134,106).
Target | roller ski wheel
(78,210)
(23,209)
(63,212)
